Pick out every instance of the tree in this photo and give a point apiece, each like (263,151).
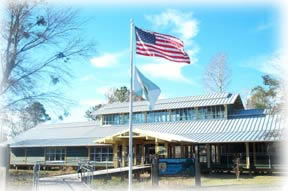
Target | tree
(36,114)
(89,113)
(39,41)
(267,97)
(118,95)
(114,95)
(30,117)
(121,94)
(217,75)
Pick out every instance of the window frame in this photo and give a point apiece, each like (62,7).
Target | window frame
(52,152)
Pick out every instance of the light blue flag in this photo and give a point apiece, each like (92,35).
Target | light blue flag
(144,87)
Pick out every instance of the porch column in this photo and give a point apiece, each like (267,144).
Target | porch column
(142,153)
(218,153)
(191,151)
(173,151)
(134,154)
(254,154)
(225,111)
(208,155)
(115,155)
(182,151)
(166,149)
(156,147)
(247,156)
(124,151)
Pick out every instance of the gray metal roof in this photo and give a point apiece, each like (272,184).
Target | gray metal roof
(250,129)
(172,103)
(65,134)
(261,128)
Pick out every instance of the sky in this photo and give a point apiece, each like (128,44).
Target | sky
(249,36)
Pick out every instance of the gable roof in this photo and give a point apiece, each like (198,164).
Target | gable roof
(171,103)
(145,132)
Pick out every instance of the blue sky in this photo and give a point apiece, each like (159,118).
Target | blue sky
(248,35)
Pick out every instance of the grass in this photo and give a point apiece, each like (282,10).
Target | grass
(23,178)
(188,182)
(20,179)
(225,179)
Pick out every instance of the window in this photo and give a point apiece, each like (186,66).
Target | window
(55,154)
(114,119)
(211,112)
(101,154)
(138,118)
(178,152)
(124,119)
(157,116)
(202,153)
(183,114)
(121,119)
(202,112)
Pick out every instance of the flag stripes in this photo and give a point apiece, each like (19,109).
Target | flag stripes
(160,45)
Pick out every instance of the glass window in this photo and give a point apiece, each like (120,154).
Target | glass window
(191,114)
(211,112)
(55,154)
(202,154)
(101,154)
(157,116)
(183,114)
(115,119)
(138,118)
(202,112)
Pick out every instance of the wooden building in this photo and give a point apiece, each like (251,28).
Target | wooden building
(218,124)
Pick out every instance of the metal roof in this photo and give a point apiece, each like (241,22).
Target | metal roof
(65,134)
(250,129)
(171,103)
(261,128)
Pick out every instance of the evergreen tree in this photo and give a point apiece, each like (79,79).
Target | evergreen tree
(267,96)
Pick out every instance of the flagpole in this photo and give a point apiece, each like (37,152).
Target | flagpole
(131,108)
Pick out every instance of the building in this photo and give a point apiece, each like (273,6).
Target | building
(218,124)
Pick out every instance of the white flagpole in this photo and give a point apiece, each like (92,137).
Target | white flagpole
(131,108)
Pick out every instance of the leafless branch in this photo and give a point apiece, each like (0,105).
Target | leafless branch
(217,76)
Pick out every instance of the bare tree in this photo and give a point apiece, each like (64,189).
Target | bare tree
(218,74)
(38,43)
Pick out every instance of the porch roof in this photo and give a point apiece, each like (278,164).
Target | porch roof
(146,134)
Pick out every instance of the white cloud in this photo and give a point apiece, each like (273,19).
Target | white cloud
(268,64)
(108,60)
(76,114)
(182,23)
(105,61)
(91,102)
(165,70)
(103,90)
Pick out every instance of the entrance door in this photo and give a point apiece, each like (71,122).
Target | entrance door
(149,153)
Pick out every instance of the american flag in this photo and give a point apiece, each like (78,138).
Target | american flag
(160,45)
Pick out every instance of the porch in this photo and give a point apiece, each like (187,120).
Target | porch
(254,156)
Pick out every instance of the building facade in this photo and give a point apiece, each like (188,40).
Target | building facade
(217,124)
